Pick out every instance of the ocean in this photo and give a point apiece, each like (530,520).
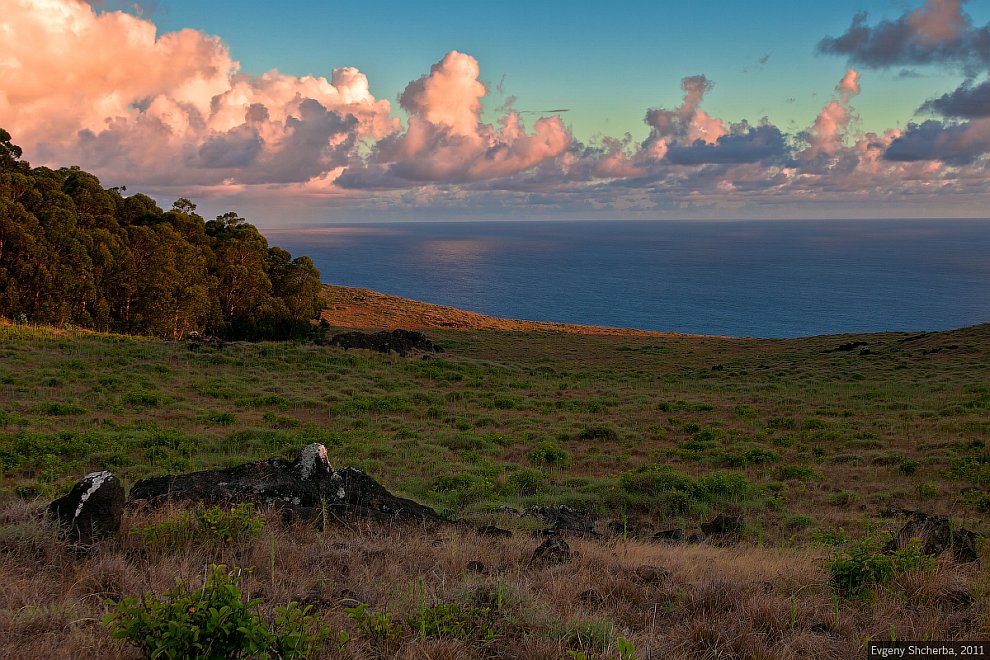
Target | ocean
(741,278)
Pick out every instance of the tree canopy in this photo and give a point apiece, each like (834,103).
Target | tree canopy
(74,252)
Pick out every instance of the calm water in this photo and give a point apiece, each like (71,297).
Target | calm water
(761,279)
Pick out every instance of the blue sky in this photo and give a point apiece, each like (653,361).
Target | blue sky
(319,111)
(606,65)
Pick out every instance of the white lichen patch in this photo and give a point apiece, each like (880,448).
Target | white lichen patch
(95,479)
(313,457)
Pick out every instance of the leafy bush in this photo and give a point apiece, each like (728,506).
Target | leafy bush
(238,523)
(525,482)
(59,409)
(142,398)
(213,621)
(598,432)
(856,571)
(548,453)
(451,621)
(221,418)
(376,625)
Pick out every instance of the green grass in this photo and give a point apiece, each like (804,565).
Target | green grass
(638,425)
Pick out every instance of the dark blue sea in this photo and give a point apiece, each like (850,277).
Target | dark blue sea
(742,278)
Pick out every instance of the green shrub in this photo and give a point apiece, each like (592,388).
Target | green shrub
(376,625)
(451,621)
(908,466)
(548,453)
(598,432)
(801,472)
(213,621)
(221,418)
(856,571)
(746,412)
(238,523)
(59,409)
(525,482)
(142,398)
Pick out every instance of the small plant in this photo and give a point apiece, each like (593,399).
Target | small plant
(908,466)
(376,625)
(59,409)
(451,621)
(221,418)
(859,569)
(214,621)
(237,523)
(142,398)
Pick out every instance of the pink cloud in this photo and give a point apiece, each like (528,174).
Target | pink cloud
(170,109)
(446,141)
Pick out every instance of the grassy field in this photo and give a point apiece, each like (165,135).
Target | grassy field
(808,439)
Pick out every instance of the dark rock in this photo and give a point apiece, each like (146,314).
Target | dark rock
(92,509)
(400,341)
(310,484)
(722,525)
(630,528)
(652,574)
(850,346)
(937,534)
(552,551)
(196,341)
(670,535)
(476,567)
(592,597)
(492,530)
(506,509)
(563,517)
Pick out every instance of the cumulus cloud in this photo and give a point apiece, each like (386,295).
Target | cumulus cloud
(173,111)
(957,144)
(103,88)
(968,101)
(937,32)
(445,139)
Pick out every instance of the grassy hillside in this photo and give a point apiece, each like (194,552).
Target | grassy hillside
(808,439)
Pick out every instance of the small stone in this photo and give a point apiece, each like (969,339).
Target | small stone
(554,550)
(493,531)
(652,574)
(722,525)
(670,535)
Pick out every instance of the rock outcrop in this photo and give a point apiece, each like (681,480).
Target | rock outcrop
(937,534)
(563,518)
(92,509)
(401,341)
(554,550)
(308,483)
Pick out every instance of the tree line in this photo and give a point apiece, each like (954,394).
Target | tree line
(72,252)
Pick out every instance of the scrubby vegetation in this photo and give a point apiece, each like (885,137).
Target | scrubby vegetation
(72,252)
(810,447)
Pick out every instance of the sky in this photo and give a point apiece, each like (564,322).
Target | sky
(319,112)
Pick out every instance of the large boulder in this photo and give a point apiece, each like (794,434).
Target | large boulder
(400,341)
(92,509)
(937,534)
(309,482)
(563,518)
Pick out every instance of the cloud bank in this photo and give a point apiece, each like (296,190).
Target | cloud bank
(173,111)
